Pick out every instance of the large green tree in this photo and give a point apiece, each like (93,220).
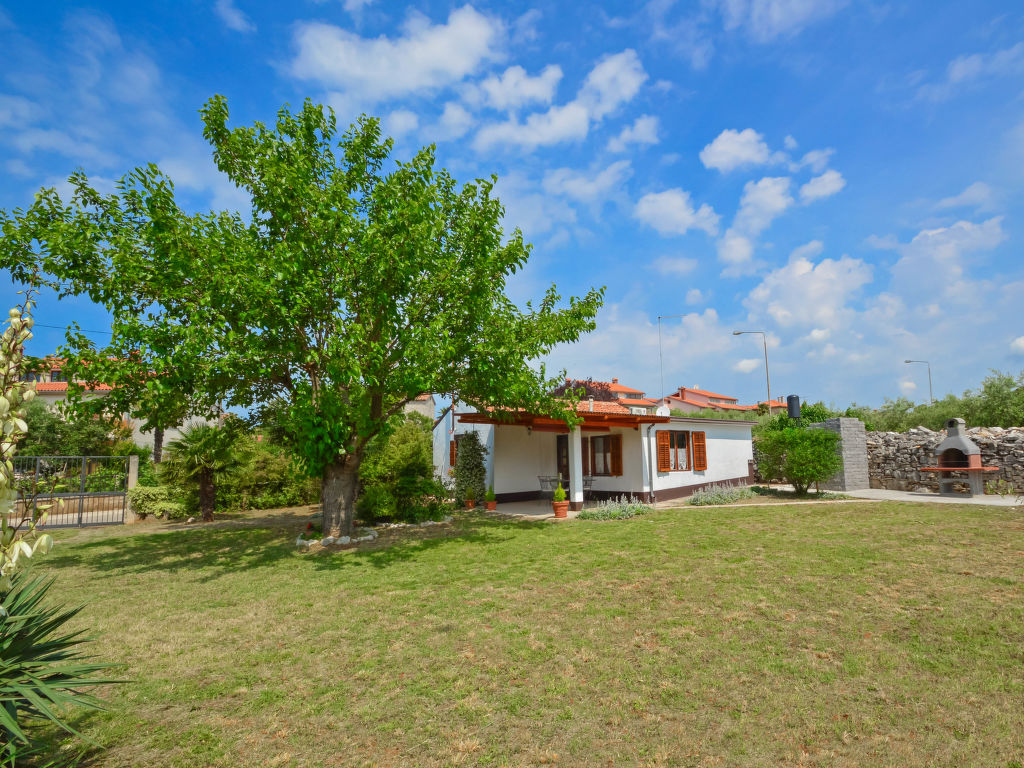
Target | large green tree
(355,283)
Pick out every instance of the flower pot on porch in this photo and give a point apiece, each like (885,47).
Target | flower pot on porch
(470,503)
(560,508)
(491,505)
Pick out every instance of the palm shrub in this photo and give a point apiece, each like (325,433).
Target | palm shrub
(201,458)
(470,472)
(42,669)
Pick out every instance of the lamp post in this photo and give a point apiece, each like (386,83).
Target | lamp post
(661,359)
(931,397)
(767,378)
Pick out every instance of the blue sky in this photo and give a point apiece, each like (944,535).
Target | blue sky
(847,176)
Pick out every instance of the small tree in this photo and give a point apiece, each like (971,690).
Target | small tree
(470,472)
(799,456)
(201,457)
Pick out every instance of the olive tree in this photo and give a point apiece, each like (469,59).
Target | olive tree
(355,283)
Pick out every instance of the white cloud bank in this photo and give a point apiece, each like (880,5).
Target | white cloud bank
(671,213)
(644,130)
(232,17)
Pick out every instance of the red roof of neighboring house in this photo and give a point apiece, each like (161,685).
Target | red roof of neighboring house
(613,386)
(600,406)
(706,393)
(424,397)
(62,386)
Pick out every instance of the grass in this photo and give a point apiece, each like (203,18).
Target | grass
(818,635)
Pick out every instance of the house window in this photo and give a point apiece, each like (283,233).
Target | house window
(675,449)
(602,455)
(57,375)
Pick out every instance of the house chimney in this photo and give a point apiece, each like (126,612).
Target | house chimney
(614,380)
(591,404)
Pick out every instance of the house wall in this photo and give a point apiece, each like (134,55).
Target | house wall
(631,482)
(523,457)
(730,451)
(443,434)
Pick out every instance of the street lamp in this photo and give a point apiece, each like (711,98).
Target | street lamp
(661,359)
(767,379)
(931,397)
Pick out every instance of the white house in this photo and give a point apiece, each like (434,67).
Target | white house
(615,450)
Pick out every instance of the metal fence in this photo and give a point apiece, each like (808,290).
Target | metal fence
(79,491)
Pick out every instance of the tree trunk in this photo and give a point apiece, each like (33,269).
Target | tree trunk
(207,496)
(338,494)
(158,444)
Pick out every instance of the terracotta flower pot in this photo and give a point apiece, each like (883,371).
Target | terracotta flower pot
(491,505)
(470,503)
(560,508)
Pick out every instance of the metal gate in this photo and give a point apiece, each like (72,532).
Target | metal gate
(79,490)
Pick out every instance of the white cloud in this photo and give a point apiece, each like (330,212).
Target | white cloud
(514,88)
(907,387)
(746,365)
(558,124)
(355,6)
(675,265)
(524,28)
(613,81)
(17,111)
(790,143)
(671,213)
(644,130)
(761,203)
(816,160)
(803,293)
(232,17)
(401,122)
(819,334)
(1017,345)
(694,296)
(976,195)
(808,250)
(826,185)
(424,57)
(454,123)
(735,249)
(734,149)
(525,207)
(584,187)
(765,20)
(964,70)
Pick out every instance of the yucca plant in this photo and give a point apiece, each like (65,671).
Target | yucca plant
(42,669)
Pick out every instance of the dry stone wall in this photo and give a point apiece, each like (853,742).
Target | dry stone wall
(895,458)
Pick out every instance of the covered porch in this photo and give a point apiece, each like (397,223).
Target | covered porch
(604,455)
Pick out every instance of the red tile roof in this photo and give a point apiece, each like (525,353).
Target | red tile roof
(601,406)
(613,386)
(706,393)
(62,386)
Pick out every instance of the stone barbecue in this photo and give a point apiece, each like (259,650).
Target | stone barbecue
(959,454)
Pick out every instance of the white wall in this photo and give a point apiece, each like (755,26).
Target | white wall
(522,458)
(729,449)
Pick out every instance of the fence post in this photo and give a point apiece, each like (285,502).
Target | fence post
(133,472)
(35,492)
(81,499)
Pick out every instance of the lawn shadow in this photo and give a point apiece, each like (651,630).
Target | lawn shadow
(258,542)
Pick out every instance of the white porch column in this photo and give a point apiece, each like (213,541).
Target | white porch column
(575,470)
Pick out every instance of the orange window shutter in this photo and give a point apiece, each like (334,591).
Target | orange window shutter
(616,455)
(585,444)
(664,451)
(451,452)
(700,451)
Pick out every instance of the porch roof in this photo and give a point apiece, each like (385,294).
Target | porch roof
(601,419)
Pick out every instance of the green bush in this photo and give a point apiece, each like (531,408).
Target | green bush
(50,434)
(801,457)
(470,472)
(266,477)
(42,670)
(156,501)
(397,475)
(722,493)
(622,508)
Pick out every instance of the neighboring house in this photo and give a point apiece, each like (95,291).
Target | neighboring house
(618,449)
(692,399)
(52,388)
(424,404)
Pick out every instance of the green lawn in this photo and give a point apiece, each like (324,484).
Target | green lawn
(822,635)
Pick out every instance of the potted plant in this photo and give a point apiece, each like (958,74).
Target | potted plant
(490,500)
(558,503)
(470,498)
